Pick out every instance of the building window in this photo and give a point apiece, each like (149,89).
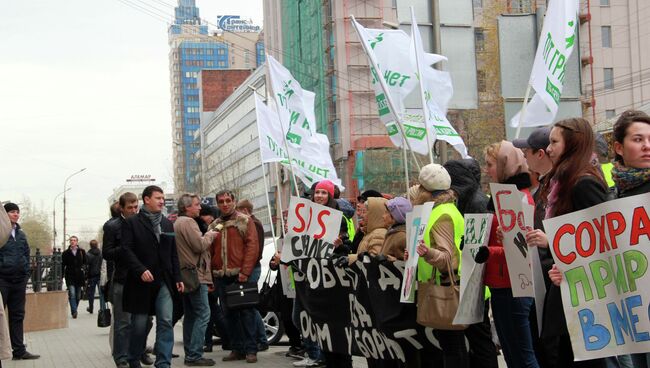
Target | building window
(608,77)
(609,114)
(606,35)
(604,2)
(479,39)
(480,81)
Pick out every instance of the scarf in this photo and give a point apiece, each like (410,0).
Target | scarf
(155,219)
(627,178)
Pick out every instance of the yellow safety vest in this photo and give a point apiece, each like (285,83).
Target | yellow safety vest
(351,231)
(425,270)
(607,173)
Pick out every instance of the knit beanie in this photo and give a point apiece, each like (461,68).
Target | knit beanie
(398,208)
(11,207)
(434,177)
(326,185)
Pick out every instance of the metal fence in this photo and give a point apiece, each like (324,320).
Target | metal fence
(46,272)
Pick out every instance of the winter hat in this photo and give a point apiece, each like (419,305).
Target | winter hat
(368,194)
(326,185)
(11,207)
(398,207)
(434,177)
(510,162)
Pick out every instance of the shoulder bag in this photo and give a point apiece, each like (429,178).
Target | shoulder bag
(437,304)
(190,277)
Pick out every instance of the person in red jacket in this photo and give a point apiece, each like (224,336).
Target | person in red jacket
(506,164)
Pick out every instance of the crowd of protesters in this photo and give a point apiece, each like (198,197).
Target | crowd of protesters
(168,270)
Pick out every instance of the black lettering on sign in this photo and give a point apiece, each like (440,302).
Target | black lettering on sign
(319,333)
(520,242)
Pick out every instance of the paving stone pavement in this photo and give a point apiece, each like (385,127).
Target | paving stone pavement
(84,345)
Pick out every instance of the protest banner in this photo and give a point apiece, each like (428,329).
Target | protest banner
(471,306)
(416,223)
(356,310)
(602,253)
(312,229)
(515,217)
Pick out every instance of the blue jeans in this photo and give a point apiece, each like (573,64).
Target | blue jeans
(121,326)
(513,328)
(197,315)
(74,296)
(93,283)
(242,328)
(621,361)
(261,328)
(314,351)
(164,331)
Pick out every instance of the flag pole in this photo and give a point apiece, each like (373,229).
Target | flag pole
(279,195)
(382,83)
(523,111)
(406,167)
(425,108)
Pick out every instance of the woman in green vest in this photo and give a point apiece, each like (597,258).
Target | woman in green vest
(440,248)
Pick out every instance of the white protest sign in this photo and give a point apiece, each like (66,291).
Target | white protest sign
(471,306)
(312,229)
(416,223)
(515,216)
(603,252)
(284,275)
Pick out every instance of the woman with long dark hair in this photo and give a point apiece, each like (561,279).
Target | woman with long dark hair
(575,184)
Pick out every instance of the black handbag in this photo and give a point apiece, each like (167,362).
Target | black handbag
(242,295)
(269,295)
(190,278)
(104,318)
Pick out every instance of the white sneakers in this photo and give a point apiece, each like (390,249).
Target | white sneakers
(309,363)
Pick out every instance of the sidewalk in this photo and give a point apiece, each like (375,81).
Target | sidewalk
(84,345)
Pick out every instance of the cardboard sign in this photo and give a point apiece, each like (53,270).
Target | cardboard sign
(603,252)
(312,230)
(416,223)
(471,306)
(515,215)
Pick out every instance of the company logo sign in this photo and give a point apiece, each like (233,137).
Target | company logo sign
(234,23)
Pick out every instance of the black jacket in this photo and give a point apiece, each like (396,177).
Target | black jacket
(112,249)
(73,267)
(142,251)
(466,182)
(14,257)
(641,189)
(94,262)
(586,193)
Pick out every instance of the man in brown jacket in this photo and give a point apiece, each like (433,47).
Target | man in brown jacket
(234,256)
(194,259)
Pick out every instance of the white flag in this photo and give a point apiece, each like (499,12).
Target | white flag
(437,88)
(537,114)
(556,43)
(311,161)
(295,105)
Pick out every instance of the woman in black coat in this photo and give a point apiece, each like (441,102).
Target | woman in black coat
(575,184)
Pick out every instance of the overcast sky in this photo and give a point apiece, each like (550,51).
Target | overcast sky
(85,84)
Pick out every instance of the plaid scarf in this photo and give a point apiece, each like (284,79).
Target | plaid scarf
(155,219)
(627,178)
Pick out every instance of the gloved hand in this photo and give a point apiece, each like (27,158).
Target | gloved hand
(482,254)
(341,262)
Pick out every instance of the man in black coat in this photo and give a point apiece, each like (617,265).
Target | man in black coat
(150,257)
(112,250)
(14,272)
(73,260)
(94,268)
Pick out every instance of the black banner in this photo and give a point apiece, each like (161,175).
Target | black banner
(356,310)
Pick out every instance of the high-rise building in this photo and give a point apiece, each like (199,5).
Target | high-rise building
(191,49)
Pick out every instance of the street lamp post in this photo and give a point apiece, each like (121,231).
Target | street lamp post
(54,219)
(65,185)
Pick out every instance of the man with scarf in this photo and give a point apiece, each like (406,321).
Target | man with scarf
(149,255)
